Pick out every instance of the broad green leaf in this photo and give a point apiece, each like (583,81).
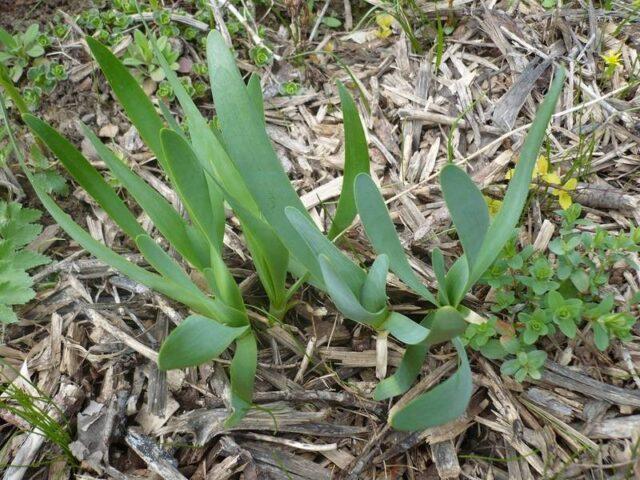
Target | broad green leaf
(349,273)
(86,175)
(382,233)
(456,280)
(254,89)
(135,102)
(356,160)
(344,298)
(374,291)
(250,149)
(243,374)
(405,376)
(185,239)
(437,262)
(447,323)
(163,263)
(404,329)
(222,282)
(7,315)
(468,210)
(170,119)
(203,200)
(210,152)
(442,404)
(507,218)
(7,39)
(195,341)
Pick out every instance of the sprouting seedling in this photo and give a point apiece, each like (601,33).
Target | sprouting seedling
(18,50)
(141,57)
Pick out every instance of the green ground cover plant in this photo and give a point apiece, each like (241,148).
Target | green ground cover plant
(561,293)
(208,166)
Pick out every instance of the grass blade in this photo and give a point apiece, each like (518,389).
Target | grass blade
(195,341)
(356,160)
(210,152)
(135,102)
(203,200)
(163,263)
(188,242)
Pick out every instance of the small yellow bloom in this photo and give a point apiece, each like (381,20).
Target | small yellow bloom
(493,204)
(541,173)
(612,59)
(564,197)
(540,169)
(384,21)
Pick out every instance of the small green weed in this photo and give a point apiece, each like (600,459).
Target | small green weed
(537,297)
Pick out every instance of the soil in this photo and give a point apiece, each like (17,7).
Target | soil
(15,13)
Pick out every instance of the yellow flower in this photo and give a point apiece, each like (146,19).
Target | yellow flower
(541,173)
(384,21)
(564,197)
(612,59)
(540,169)
(493,204)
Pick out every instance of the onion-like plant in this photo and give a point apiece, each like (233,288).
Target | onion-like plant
(237,163)
(358,294)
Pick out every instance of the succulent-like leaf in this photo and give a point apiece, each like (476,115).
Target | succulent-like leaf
(352,275)
(405,329)
(468,209)
(374,291)
(356,160)
(344,298)
(382,233)
(442,404)
(195,341)
(507,218)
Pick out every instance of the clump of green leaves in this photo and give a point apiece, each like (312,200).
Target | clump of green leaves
(359,294)
(202,174)
(17,230)
(43,79)
(537,296)
(141,56)
(261,56)
(18,50)
(206,167)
